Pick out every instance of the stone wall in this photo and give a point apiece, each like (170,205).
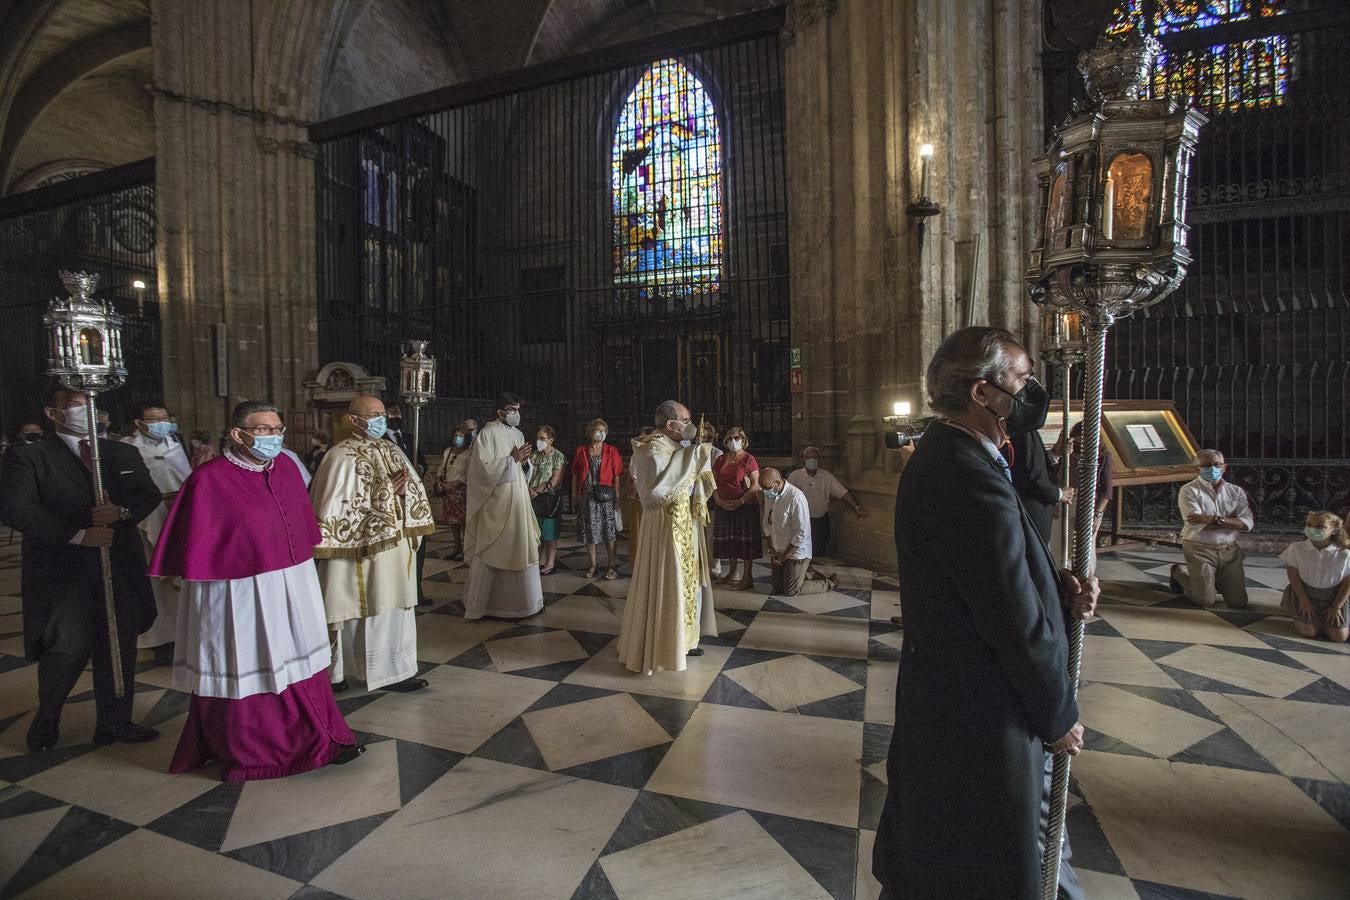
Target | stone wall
(868,82)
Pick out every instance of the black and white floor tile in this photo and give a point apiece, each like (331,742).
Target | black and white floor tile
(534,766)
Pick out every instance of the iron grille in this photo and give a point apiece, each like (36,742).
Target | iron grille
(488,225)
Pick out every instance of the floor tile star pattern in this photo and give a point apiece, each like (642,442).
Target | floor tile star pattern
(535,766)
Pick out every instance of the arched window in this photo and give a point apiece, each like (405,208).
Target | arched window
(1243,74)
(666,180)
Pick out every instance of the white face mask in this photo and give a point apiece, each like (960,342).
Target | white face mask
(75,419)
(541,445)
(513,419)
(734,445)
(812,465)
(598,436)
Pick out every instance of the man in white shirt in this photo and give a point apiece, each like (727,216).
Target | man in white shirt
(820,487)
(787,530)
(1214,512)
(156,437)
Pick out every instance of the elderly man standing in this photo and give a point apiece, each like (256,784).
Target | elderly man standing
(984,687)
(820,487)
(1214,511)
(252,643)
(501,532)
(373,512)
(787,531)
(670,598)
(156,437)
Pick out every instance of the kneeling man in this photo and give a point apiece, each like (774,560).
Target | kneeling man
(787,531)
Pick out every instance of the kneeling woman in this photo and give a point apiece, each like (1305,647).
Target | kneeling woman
(1319,578)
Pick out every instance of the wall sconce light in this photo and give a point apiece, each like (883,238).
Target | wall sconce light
(924,206)
(138,285)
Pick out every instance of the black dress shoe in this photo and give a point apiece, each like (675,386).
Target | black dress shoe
(407,685)
(130,733)
(42,737)
(347,754)
(697,651)
(339,686)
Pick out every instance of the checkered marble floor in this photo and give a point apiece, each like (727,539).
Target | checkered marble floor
(533,766)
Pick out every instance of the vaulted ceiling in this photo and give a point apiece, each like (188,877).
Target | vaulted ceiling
(74,74)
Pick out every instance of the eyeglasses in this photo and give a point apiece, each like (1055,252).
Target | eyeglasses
(264,430)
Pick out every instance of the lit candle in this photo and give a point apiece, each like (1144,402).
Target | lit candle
(1109,208)
(925,154)
(84,349)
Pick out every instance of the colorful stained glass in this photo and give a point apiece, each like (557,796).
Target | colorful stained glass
(1245,74)
(667,185)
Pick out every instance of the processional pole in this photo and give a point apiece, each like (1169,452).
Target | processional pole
(84,345)
(1111,239)
(1062,337)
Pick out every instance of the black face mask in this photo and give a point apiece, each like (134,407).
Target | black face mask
(396,423)
(31,438)
(1029,407)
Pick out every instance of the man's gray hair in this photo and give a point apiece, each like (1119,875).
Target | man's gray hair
(239,418)
(669,409)
(1202,455)
(966,356)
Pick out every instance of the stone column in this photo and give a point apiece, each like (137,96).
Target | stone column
(868,81)
(234,88)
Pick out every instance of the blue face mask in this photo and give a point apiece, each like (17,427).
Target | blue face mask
(459,440)
(1211,473)
(770,495)
(160,430)
(266,446)
(376,427)
(1316,534)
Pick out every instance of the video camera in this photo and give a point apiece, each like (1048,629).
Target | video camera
(905,431)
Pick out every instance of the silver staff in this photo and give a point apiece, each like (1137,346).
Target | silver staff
(1111,239)
(84,341)
(417,386)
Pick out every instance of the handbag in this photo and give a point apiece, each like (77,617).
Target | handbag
(602,493)
(546,503)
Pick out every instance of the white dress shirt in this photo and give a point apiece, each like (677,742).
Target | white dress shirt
(819,489)
(787,522)
(1325,568)
(1219,499)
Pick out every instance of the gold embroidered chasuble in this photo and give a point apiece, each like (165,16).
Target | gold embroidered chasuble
(670,598)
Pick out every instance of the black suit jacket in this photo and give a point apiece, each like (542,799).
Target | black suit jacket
(983,680)
(47,494)
(1033,481)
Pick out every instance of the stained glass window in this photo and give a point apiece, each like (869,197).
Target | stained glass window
(1244,74)
(667,185)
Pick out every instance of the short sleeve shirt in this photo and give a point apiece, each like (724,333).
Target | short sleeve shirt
(819,489)
(731,474)
(544,465)
(1325,568)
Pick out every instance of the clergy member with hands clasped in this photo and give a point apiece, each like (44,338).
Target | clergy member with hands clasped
(373,514)
(984,689)
(252,643)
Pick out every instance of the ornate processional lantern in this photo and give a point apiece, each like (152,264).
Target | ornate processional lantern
(416,384)
(1111,238)
(84,353)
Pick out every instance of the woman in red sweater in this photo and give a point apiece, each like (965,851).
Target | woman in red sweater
(596,468)
(736,528)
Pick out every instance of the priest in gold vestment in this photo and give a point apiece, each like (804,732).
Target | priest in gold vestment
(373,513)
(501,533)
(670,600)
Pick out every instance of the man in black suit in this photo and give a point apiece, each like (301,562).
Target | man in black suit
(1032,480)
(984,686)
(47,493)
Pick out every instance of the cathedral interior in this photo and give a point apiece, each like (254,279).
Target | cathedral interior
(775,213)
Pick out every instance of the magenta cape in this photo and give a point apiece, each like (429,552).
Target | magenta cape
(230,523)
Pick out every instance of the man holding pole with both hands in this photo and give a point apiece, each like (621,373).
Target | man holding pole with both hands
(984,692)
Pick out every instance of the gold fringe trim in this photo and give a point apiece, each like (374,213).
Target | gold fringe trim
(420,530)
(364,552)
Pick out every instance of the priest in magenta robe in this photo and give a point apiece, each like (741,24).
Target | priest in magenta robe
(252,643)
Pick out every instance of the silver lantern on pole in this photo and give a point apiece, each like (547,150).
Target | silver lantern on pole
(1111,239)
(417,385)
(84,353)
